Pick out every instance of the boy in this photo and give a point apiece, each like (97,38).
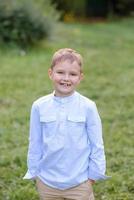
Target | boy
(66,152)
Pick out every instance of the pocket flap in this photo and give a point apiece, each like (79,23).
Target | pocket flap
(77,118)
(47,118)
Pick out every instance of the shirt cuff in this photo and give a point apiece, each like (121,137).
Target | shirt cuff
(30,175)
(97,176)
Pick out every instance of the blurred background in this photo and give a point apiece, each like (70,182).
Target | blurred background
(95,8)
(103,32)
(25,22)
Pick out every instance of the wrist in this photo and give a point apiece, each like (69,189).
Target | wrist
(91,181)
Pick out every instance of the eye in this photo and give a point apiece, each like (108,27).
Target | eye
(73,74)
(59,72)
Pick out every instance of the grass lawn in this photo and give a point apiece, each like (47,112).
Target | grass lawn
(108,51)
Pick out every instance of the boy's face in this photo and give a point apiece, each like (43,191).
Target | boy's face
(65,76)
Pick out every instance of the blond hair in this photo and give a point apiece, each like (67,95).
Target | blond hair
(66,54)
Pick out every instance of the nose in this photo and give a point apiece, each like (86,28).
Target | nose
(66,77)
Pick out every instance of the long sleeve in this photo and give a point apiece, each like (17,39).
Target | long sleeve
(97,163)
(65,142)
(35,144)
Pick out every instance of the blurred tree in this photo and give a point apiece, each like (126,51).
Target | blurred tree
(75,7)
(95,8)
(102,8)
(123,7)
(26,22)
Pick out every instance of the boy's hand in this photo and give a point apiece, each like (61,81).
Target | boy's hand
(91,181)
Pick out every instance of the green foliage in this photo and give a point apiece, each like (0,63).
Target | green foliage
(68,7)
(25,22)
(95,8)
(107,49)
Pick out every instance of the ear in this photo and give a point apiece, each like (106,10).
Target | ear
(50,73)
(81,76)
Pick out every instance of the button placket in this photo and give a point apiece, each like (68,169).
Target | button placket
(62,118)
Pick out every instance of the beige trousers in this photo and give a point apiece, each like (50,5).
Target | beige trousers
(81,192)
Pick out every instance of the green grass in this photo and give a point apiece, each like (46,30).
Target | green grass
(108,50)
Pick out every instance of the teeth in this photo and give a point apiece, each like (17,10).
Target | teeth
(66,84)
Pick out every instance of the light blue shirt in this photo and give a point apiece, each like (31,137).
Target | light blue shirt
(65,143)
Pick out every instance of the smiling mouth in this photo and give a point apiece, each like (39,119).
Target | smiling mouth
(65,84)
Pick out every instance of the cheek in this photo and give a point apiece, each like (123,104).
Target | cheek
(76,80)
(56,78)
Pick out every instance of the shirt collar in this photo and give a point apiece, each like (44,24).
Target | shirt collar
(64,99)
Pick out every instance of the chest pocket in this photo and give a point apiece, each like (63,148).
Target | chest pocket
(76,122)
(77,130)
(48,124)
